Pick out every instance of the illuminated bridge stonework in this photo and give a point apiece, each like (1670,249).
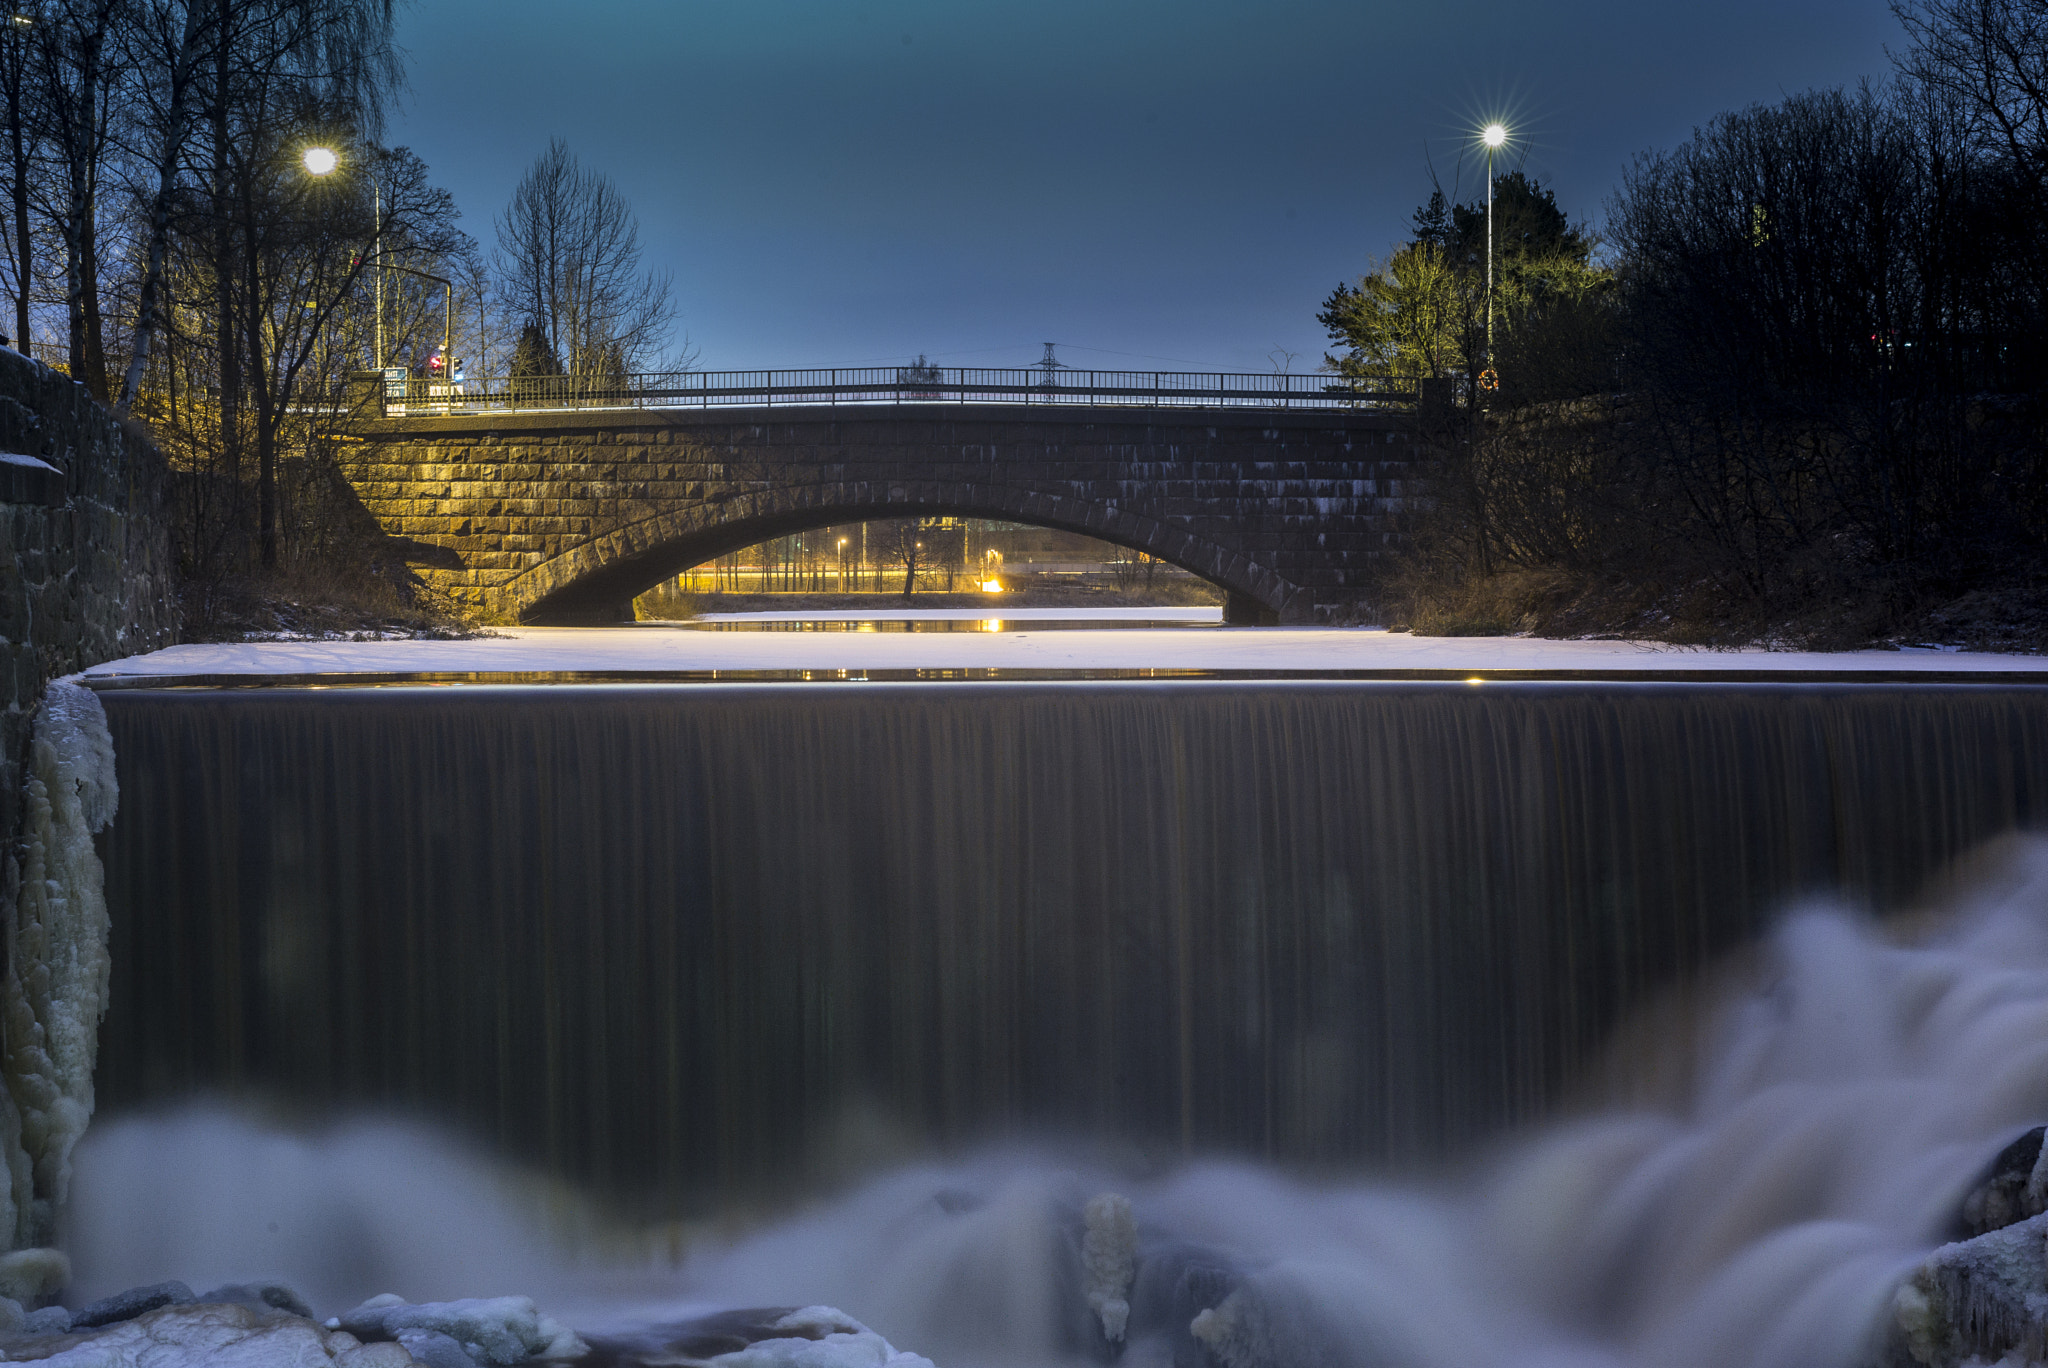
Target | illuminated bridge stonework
(563,516)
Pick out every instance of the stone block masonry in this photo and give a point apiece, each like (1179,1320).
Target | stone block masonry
(85,572)
(564,516)
(85,577)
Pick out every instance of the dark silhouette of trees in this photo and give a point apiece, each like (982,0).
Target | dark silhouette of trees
(1804,399)
(532,356)
(569,258)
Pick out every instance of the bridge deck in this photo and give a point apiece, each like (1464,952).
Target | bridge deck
(394,392)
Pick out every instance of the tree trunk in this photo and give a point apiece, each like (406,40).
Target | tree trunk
(24,260)
(229,410)
(169,152)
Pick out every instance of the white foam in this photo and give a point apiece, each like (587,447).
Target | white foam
(1764,1218)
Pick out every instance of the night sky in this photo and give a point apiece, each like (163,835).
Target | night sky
(1150,183)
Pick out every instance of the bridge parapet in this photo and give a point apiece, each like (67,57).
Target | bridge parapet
(564,515)
(390,394)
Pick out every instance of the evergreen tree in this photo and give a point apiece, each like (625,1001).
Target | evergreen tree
(532,356)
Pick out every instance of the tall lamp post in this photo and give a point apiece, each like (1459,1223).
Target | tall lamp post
(1494,136)
(321,161)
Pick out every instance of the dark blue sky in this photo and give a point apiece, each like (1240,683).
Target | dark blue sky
(839,182)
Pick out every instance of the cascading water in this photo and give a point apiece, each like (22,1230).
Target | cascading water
(657,942)
(1835,1098)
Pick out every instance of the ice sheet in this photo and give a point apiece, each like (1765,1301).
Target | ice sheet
(655,647)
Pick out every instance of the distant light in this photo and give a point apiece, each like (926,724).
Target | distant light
(991,586)
(320,160)
(1495,135)
(1476,679)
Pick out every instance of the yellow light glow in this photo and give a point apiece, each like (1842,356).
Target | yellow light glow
(320,160)
(1495,135)
(1475,679)
(991,586)
(990,624)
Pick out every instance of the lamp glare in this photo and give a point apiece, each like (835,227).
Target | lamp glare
(1495,135)
(320,160)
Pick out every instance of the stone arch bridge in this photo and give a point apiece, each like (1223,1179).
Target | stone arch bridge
(564,515)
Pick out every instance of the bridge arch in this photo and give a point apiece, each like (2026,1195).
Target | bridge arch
(597,580)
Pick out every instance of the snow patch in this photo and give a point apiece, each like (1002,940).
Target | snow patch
(821,1337)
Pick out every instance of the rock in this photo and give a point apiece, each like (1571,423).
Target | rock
(385,1354)
(33,1276)
(187,1336)
(257,1296)
(490,1330)
(1173,1286)
(130,1304)
(1109,1252)
(760,1337)
(437,1350)
(2012,1188)
(1983,1298)
(50,1320)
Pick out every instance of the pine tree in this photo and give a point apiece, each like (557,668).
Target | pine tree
(532,356)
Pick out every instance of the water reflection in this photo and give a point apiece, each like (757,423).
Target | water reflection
(943,620)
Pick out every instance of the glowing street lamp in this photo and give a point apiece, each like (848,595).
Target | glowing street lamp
(319,161)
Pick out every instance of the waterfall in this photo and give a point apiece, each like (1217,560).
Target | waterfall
(692,948)
(1771,1155)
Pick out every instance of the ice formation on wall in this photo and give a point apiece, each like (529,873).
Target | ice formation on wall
(54,986)
(1109,1254)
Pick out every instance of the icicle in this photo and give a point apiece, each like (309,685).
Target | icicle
(54,988)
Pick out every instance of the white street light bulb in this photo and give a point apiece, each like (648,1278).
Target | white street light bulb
(320,160)
(1495,135)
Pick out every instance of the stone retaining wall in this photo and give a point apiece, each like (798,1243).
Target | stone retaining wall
(85,568)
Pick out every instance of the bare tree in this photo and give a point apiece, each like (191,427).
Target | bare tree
(569,257)
(902,542)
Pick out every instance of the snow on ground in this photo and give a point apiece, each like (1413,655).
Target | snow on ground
(657,647)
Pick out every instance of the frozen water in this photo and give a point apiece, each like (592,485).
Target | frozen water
(655,646)
(54,987)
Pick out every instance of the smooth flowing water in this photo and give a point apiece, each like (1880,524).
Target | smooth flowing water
(692,951)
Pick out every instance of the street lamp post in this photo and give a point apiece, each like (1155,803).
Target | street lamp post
(321,161)
(1494,136)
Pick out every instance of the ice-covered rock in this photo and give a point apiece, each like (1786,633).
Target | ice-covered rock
(54,987)
(192,1336)
(820,1337)
(771,1337)
(1984,1298)
(33,1276)
(490,1330)
(1109,1253)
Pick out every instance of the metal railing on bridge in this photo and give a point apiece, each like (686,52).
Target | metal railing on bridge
(410,395)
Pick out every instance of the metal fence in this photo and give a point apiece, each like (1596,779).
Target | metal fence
(404,395)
